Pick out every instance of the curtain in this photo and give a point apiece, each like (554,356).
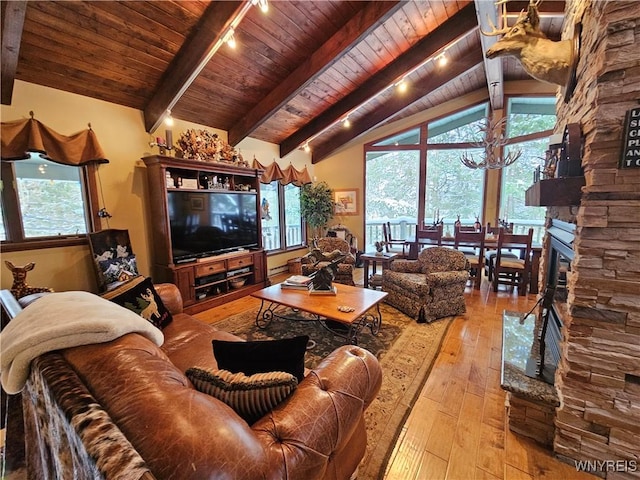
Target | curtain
(286,176)
(20,137)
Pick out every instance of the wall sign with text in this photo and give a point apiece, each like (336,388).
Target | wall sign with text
(631,147)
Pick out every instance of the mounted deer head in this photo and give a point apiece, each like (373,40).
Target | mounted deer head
(542,58)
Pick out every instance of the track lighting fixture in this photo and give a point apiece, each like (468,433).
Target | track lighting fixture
(442,59)
(230,38)
(168,119)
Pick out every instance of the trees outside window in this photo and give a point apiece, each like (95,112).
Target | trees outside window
(282,225)
(42,200)
(452,189)
(416,175)
(391,185)
(529,124)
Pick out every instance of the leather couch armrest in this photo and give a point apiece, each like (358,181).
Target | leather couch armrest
(322,414)
(171,297)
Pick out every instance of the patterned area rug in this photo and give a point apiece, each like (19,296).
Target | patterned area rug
(406,351)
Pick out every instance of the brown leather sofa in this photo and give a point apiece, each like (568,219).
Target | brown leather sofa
(124,409)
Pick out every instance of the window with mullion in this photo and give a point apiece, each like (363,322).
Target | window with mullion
(43,201)
(282,224)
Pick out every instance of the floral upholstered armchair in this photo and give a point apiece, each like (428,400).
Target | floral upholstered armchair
(430,287)
(330,247)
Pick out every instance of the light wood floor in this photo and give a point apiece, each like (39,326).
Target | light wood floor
(457,429)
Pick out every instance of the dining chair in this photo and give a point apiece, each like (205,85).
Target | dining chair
(513,271)
(391,244)
(431,235)
(490,253)
(425,237)
(472,245)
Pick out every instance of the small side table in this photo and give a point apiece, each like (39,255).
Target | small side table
(384,260)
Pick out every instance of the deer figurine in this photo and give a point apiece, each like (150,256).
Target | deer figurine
(20,288)
(543,59)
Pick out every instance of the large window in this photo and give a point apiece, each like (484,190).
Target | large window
(529,125)
(43,200)
(392,180)
(417,176)
(282,226)
(452,190)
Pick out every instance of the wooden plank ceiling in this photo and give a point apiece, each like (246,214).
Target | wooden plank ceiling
(296,72)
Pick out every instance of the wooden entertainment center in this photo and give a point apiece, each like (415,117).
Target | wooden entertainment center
(205,280)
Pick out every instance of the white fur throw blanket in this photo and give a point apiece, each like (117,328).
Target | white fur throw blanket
(63,320)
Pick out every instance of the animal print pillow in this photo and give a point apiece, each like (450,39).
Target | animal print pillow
(139,296)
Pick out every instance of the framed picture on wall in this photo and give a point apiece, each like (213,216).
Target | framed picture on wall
(346,201)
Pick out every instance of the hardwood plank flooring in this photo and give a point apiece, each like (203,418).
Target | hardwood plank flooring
(457,430)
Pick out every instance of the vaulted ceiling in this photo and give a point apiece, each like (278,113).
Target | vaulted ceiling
(297,71)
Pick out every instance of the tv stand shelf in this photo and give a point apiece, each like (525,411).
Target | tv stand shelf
(203,282)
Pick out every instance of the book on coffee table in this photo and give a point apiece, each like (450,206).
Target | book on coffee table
(296,286)
(297,282)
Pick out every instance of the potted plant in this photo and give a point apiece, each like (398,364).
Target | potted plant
(316,205)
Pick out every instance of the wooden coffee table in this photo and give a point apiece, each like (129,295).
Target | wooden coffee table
(365,304)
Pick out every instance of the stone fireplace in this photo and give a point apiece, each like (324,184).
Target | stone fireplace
(598,375)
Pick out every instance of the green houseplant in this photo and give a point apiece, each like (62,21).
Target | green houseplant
(316,205)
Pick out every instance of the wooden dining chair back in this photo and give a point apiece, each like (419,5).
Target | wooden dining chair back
(472,245)
(513,271)
(431,235)
(425,237)
(490,253)
(393,245)
(492,230)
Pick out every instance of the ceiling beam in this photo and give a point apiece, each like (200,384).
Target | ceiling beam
(13,14)
(457,26)
(190,60)
(397,104)
(358,27)
(492,66)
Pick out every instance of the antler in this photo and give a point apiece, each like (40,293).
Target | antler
(502,21)
(493,140)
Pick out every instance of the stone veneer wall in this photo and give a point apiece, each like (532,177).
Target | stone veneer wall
(598,379)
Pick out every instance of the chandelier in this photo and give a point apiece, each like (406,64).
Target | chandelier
(493,142)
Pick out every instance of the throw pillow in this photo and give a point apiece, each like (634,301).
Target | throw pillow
(284,355)
(251,397)
(115,271)
(139,296)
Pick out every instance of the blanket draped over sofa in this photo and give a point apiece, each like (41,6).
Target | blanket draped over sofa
(60,320)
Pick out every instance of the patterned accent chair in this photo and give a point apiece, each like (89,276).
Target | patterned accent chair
(328,245)
(430,287)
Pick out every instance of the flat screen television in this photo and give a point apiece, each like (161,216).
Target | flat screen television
(209,222)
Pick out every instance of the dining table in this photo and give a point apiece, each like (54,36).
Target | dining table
(490,243)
